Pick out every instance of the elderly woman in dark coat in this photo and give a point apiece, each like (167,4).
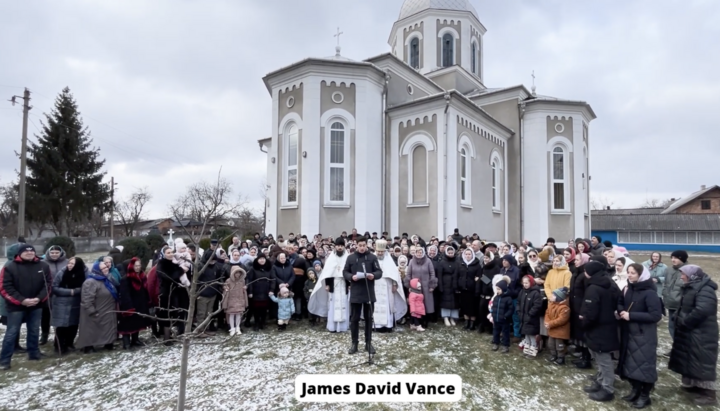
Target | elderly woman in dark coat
(640,310)
(421,267)
(576,297)
(67,287)
(173,295)
(134,300)
(98,322)
(261,281)
(469,273)
(694,353)
(447,274)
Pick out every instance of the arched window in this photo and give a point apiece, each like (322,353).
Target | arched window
(448,44)
(559,179)
(337,163)
(291,164)
(415,53)
(495,185)
(464,175)
(473,58)
(419,175)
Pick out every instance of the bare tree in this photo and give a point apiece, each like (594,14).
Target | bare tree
(601,203)
(207,203)
(132,209)
(656,203)
(265,194)
(8,210)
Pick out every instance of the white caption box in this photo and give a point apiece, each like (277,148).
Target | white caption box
(378,388)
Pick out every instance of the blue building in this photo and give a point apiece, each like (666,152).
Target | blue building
(691,224)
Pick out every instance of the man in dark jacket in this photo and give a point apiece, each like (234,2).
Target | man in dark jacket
(672,292)
(25,285)
(601,329)
(511,270)
(596,246)
(361,270)
(210,283)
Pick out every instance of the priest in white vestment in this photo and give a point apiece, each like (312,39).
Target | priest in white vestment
(330,295)
(390,302)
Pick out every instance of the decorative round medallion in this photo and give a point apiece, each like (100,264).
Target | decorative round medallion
(290,101)
(337,97)
(559,127)
(410,89)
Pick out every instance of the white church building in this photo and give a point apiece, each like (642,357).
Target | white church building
(413,141)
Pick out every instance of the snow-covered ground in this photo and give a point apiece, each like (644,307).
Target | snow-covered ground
(256,371)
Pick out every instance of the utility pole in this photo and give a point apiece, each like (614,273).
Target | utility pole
(112,211)
(23,161)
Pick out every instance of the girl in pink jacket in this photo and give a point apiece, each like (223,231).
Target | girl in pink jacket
(416,300)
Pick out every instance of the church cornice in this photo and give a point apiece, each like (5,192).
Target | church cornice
(436,14)
(388,60)
(518,92)
(561,106)
(320,67)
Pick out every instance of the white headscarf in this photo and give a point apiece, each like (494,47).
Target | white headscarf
(468,262)
(645,274)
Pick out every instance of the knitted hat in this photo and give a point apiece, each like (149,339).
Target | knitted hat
(502,285)
(593,268)
(681,255)
(414,283)
(692,272)
(531,279)
(340,241)
(25,247)
(560,294)
(282,290)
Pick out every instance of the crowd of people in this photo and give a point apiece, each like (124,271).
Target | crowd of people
(589,296)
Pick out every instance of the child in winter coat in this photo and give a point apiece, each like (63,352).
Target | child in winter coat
(529,308)
(286,307)
(557,322)
(417,304)
(182,256)
(501,315)
(235,299)
(308,289)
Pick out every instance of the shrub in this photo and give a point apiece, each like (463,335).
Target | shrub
(136,247)
(204,243)
(224,236)
(66,243)
(155,241)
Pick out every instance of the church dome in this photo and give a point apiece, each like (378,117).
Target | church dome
(411,7)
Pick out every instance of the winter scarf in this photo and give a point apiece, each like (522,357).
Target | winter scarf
(76,277)
(137,280)
(99,276)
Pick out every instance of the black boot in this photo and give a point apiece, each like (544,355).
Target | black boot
(369,348)
(88,350)
(634,392)
(706,397)
(560,361)
(594,387)
(602,396)
(643,399)
(126,342)
(472,325)
(44,338)
(135,341)
(467,325)
(110,346)
(353,348)
(584,363)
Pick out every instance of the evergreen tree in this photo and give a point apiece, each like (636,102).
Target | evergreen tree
(64,183)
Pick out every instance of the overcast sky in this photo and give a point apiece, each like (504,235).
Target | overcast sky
(172,89)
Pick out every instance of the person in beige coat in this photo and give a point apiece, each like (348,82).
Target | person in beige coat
(235,299)
(98,322)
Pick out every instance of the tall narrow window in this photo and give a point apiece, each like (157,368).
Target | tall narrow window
(494,185)
(448,43)
(473,59)
(292,164)
(558,178)
(337,162)
(463,176)
(420,175)
(415,53)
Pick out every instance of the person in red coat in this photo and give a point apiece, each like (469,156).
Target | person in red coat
(417,304)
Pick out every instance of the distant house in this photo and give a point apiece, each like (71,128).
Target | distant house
(691,223)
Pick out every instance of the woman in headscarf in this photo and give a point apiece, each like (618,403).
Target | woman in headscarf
(98,300)
(468,276)
(569,254)
(447,274)
(173,295)
(490,275)
(577,297)
(695,347)
(657,271)
(134,300)
(620,276)
(421,267)
(67,288)
(640,310)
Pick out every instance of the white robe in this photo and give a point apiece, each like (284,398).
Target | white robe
(389,306)
(335,306)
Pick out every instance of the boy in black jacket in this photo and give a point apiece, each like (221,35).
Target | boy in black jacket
(501,315)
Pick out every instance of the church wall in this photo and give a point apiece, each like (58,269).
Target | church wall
(447,81)
(457,25)
(283,96)
(288,219)
(407,32)
(552,127)
(507,113)
(420,220)
(562,227)
(398,91)
(327,91)
(335,220)
(481,218)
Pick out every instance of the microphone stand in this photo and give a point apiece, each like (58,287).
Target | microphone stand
(372,319)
